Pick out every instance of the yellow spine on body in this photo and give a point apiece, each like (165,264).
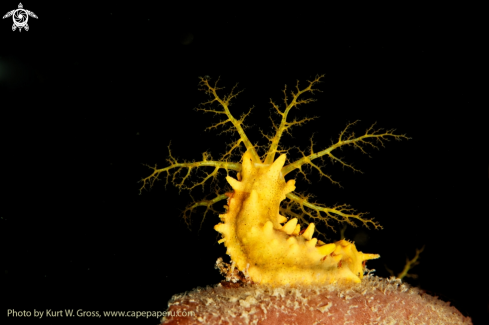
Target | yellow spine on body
(273,253)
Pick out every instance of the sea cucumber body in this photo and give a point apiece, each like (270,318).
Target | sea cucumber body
(278,254)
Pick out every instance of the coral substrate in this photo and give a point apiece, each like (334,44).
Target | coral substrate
(373,301)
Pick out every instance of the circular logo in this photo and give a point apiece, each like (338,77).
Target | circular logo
(20,17)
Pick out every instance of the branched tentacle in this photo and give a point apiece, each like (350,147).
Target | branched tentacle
(284,124)
(189,166)
(225,102)
(350,140)
(208,204)
(340,213)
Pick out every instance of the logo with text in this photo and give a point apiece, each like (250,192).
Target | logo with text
(20,17)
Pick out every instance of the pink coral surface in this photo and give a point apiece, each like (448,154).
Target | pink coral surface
(374,301)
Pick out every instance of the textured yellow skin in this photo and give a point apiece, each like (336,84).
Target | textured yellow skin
(273,253)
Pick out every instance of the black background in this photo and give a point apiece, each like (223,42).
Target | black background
(92,92)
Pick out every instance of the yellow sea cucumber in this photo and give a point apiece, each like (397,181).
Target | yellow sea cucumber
(261,241)
(274,253)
